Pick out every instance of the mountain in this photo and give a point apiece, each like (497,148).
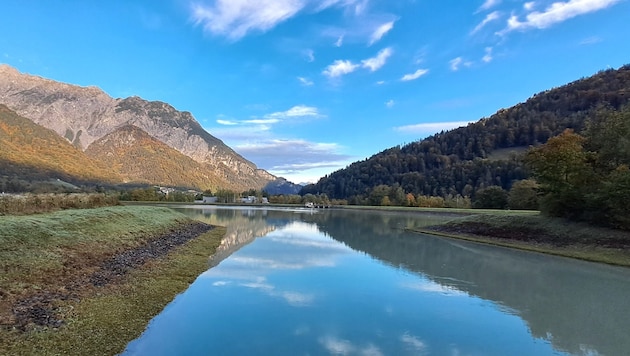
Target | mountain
(485,153)
(281,186)
(139,158)
(30,150)
(82,115)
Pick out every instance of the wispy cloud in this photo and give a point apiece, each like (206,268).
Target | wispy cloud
(488,4)
(339,41)
(339,68)
(309,54)
(390,103)
(493,16)
(338,346)
(381,31)
(591,40)
(305,81)
(555,13)
(226,122)
(529,6)
(375,63)
(457,63)
(235,19)
(487,57)
(413,342)
(430,127)
(296,111)
(415,75)
(290,156)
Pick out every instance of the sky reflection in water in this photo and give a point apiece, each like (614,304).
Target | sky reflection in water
(298,291)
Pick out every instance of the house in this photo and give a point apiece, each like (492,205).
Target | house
(210,200)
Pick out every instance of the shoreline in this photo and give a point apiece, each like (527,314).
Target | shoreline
(539,234)
(100,295)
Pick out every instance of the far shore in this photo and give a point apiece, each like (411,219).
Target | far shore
(520,229)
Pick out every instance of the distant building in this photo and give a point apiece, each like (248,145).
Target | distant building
(210,200)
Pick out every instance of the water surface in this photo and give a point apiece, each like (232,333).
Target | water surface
(330,282)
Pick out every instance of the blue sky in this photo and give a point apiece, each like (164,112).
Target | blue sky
(304,87)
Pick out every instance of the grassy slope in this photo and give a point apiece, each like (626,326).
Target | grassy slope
(534,232)
(37,251)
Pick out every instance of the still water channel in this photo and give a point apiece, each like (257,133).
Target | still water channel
(331,282)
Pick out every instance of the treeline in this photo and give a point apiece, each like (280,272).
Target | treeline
(41,203)
(587,177)
(464,161)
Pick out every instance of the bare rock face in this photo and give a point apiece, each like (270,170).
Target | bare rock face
(84,114)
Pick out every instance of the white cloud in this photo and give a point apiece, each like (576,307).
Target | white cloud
(305,81)
(339,41)
(375,63)
(430,127)
(290,157)
(488,4)
(296,111)
(591,40)
(338,346)
(413,342)
(236,18)
(380,82)
(457,63)
(226,122)
(556,13)
(493,16)
(381,31)
(310,55)
(268,121)
(415,75)
(390,103)
(529,6)
(339,68)
(488,55)
(358,6)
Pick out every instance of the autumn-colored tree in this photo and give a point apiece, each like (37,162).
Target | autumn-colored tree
(562,168)
(524,195)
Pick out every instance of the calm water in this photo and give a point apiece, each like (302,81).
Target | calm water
(302,282)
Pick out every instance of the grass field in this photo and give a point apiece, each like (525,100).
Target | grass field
(45,253)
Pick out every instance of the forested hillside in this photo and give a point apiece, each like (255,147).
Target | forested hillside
(458,163)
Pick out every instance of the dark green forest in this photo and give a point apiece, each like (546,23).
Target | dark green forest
(480,163)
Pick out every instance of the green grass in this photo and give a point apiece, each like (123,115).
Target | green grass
(34,248)
(534,232)
(104,324)
(35,251)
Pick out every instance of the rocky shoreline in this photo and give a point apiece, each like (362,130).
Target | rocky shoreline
(87,276)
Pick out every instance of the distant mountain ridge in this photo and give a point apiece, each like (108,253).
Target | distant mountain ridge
(462,161)
(82,115)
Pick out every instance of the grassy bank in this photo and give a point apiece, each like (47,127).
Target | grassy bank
(534,232)
(53,256)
